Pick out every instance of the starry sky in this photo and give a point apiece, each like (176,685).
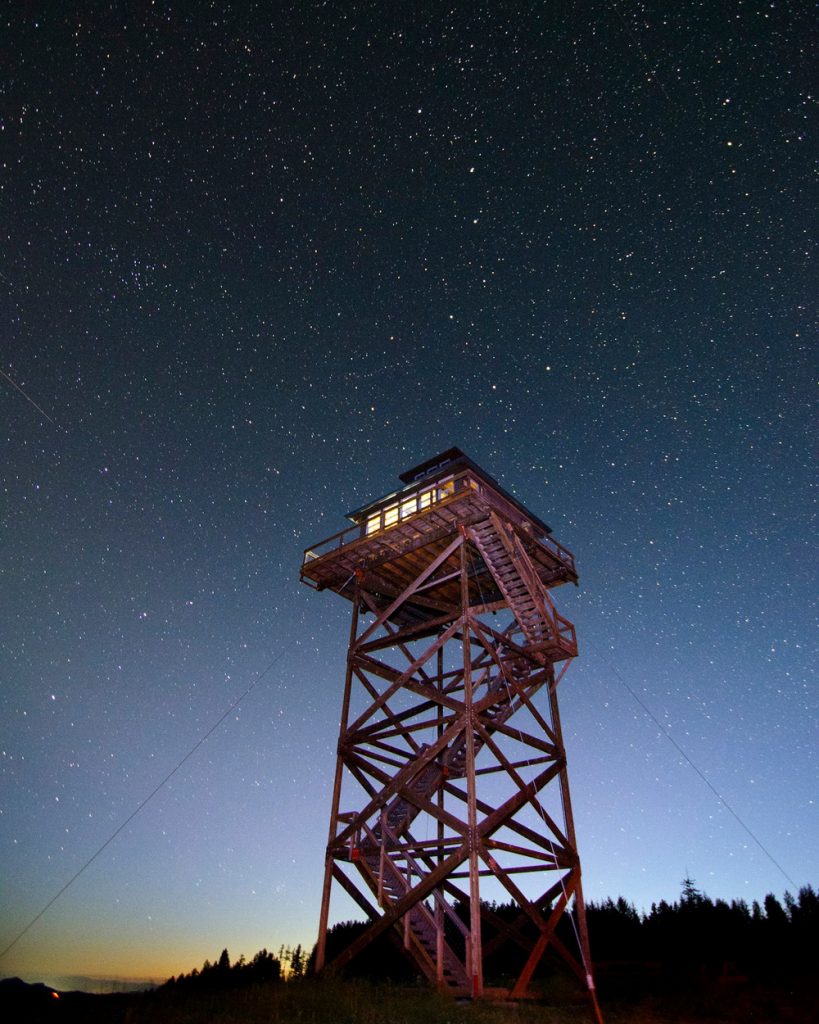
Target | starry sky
(260,259)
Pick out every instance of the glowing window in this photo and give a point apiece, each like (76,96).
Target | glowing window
(424,499)
(408,508)
(373,524)
(446,489)
(390,516)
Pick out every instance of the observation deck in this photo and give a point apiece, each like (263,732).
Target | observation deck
(439,497)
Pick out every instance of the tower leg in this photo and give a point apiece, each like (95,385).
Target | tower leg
(324,917)
(579,902)
(475,958)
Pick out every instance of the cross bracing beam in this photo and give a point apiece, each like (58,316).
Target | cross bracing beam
(451,775)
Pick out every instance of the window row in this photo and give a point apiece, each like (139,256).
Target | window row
(406,507)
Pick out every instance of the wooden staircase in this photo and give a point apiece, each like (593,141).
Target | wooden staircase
(422,927)
(401,812)
(546,631)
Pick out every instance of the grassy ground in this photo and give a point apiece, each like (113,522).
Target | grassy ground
(338,1003)
(333,1002)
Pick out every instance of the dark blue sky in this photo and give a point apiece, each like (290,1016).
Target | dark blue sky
(260,263)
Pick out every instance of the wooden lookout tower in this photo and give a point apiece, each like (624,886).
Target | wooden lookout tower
(451,824)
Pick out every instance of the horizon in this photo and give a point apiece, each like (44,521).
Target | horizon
(98,985)
(54,978)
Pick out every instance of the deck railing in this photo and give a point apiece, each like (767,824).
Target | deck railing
(408,503)
(419,499)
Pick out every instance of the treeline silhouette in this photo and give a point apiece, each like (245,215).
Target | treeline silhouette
(265,967)
(696,936)
(693,937)
(763,942)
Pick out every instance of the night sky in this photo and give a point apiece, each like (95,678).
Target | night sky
(261,259)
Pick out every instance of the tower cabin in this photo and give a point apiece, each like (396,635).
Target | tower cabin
(394,537)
